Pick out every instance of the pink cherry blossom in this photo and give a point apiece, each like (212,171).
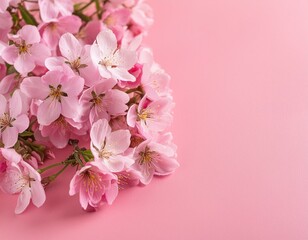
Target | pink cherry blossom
(150,116)
(142,14)
(50,10)
(155,81)
(95,186)
(101,101)
(52,31)
(152,158)
(117,20)
(26,52)
(88,34)
(61,131)
(20,178)
(128,178)
(111,61)
(108,147)
(5,25)
(12,119)
(76,58)
(59,95)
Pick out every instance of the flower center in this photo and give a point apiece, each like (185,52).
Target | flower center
(104,154)
(91,181)
(61,122)
(56,93)
(23,48)
(147,157)
(144,115)
(97,99)
(108,62)
(76,65)
(5,121)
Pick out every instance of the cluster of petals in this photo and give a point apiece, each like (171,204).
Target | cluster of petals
(65,75)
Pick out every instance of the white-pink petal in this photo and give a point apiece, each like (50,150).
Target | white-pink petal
(118,142)
(9,136)
(107,42)
(99,131)
(70,47)
(48,111)
(23,200)
(34,88)
(29,34)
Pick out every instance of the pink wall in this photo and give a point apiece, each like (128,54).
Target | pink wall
(240,80)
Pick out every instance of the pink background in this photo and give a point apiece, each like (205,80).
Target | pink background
(240,80)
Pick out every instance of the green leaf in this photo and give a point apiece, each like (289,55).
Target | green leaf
(27,16)
(26,134)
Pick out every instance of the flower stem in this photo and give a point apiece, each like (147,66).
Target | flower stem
(41,170)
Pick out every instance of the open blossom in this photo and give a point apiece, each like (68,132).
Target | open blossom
(117,20)
(52,31)
(152,158)
(26,51)
(95,186)
(52,9)
(101,101)
(142,14)
(61,131)
(58,92)
(155,81)
(20,178)
(75,59)
(111,61)
(13,119)
(108,147)
(150,116)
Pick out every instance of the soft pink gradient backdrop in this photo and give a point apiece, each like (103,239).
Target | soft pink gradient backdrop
(240,80)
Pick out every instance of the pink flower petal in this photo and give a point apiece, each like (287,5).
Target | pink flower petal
(107,42)
(126,59)
(112,193)
(132,116)
(40,52)
(118,142)
(83,198)
(3,104)
(115,163)
(116,102)
(70,107)
(165,165)
(73,86)
(23,200)
(70,24)
(30,34)
(99,131)
(10,54)
(21,123)
(121,74)
(70,47)
(9,136)
(11,155)
(33,87)
(37,193)
(24,63)
(48,111)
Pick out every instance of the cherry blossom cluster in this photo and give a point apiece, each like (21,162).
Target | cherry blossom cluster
(76,75)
